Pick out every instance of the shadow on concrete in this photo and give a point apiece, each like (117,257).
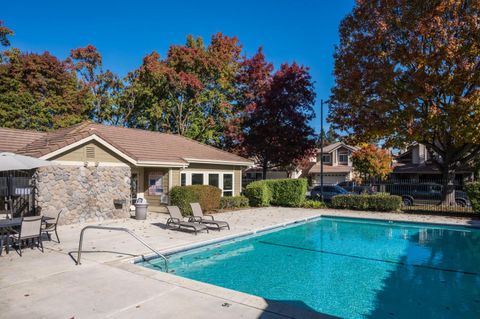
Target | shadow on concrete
(291,309)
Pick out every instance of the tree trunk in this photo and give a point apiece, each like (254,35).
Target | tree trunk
(264,167)
(448,188)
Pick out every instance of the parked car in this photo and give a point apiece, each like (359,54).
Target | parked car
(424,194)
(355,188)
(328,192)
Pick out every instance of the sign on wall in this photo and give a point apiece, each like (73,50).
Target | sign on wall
(155,183)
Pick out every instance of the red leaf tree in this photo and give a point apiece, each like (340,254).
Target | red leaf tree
(275,110)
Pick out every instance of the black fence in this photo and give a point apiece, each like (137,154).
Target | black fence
(17,195)
(417,196)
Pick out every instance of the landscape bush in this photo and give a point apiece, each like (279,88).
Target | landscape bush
(376,202)
(313,204)
(207,196)
(233,202)
(473,192)
(278,192)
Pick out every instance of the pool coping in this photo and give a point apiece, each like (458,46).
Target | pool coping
(271,306)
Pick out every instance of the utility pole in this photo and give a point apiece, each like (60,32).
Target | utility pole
(321,149)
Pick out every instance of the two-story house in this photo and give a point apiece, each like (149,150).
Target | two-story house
(337,164)
(415,164)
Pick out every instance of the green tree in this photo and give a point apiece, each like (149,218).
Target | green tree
(190,93)
(104,85)
(409,71)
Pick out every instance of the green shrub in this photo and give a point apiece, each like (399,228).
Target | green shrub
(473,192)
(233,202)
(279,192)
(313,204)
(207,196)
(377,202)
(258,194)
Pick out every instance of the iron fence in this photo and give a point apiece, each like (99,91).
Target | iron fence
(417,195)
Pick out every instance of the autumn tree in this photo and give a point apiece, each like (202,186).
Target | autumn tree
(104,85)
(4,33)
(409,71)
(277,108)
(38,91)
(191,92)
(371,162)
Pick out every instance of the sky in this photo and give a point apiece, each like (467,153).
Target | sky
(124,32)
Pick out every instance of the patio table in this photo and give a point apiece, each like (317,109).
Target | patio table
(7,224)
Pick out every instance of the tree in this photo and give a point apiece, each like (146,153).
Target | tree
(409,71)
(277,109)
(38,91)
(104,86)
(4,41)
(330,137)
(371,162)
(191,92)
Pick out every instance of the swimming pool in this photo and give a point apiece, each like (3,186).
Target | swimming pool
(350,268)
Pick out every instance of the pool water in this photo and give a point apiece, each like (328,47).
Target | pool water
(350,268)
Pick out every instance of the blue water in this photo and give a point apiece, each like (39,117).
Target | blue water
(349,268)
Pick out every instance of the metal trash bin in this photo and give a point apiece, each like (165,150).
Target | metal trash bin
(141,208)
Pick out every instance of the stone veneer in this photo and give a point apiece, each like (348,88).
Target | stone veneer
(86,193)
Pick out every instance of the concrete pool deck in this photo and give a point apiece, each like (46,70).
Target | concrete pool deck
(107,285)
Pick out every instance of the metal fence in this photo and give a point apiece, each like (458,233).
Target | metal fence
(417,195)
(17,194)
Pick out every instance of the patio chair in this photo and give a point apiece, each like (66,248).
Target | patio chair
(50,225)
(199,217)
(176,220)
(31,229)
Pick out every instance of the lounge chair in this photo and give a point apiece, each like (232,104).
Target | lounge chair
(176,220)
(199,217)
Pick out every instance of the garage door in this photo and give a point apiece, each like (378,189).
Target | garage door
(332,179)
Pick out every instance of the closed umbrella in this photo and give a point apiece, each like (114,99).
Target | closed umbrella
(16,162)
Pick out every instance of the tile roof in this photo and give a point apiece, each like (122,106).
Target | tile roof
(138,144)
(330,148)
(11,140)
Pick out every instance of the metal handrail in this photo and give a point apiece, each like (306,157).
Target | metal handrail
(80,243)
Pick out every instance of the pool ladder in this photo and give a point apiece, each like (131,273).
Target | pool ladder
(80,243)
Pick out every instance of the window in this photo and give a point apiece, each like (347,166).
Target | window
(227,184)
(155,183)
(197,179)
(326,158)
(183,179)
(213,180)
(343,158)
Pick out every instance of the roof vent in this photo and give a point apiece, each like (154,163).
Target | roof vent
(90,152)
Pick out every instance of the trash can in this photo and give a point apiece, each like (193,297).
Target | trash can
(141,207)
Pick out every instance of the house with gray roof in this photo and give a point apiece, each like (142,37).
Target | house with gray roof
(337,164)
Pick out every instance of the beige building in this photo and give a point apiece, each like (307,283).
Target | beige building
(100,168)
(337,166)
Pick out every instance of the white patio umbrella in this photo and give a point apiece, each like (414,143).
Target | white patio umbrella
(16,162)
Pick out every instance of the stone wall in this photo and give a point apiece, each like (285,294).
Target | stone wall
(86,193)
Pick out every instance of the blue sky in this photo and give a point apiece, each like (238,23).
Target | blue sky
(125,31)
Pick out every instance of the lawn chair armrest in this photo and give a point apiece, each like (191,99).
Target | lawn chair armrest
(197,219)
(211,216)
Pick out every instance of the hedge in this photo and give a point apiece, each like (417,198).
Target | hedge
(233,202)
(376,202)
(207,196)
(313,204)
(473,192)
(279,192)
